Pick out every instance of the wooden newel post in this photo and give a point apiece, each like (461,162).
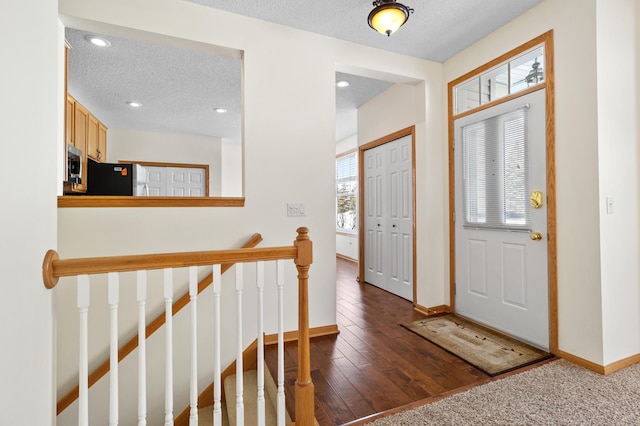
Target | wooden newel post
(305,414)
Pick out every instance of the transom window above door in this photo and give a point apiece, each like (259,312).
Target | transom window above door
(513,76)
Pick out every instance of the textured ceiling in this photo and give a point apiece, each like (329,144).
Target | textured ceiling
(180,88)
(437,30)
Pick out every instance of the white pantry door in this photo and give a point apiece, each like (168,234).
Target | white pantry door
(500,237)
(175,181)
(185,182)
(388,238)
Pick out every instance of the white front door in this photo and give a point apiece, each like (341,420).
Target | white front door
(500,237)
(388,217)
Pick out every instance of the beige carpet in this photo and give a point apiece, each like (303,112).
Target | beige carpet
(250,394)
(557,393)
(491,352)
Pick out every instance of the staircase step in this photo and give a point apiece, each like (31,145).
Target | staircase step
(250,394)
(205,416)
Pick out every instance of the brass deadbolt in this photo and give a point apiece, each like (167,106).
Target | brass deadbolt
(536,199)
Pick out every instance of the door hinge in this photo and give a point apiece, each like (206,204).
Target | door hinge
(453,216)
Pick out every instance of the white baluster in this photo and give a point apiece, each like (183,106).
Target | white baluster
(217,385)
(260,285)
(168,385)
(142,347)
(114,297)
(83,373)
(280,284)
(193,295)
(239,366)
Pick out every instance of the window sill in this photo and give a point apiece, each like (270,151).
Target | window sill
(66,201)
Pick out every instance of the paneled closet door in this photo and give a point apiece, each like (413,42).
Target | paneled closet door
(388,238)
(375,215)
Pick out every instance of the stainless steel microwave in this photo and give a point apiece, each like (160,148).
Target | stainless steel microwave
(74,164)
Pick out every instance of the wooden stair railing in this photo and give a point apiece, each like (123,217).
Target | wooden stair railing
(300,252)
(151,328)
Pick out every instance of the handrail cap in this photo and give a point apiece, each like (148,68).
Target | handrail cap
(49,279)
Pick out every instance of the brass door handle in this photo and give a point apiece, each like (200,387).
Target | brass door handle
(536,236)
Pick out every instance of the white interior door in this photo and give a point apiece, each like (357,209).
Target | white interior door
(156,182)
(185,182)
(175,181)
(501,264)
(388,233)
(374,216)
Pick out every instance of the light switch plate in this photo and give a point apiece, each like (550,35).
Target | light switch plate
(609,205)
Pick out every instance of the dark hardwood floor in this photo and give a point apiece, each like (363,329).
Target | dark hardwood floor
(374,364)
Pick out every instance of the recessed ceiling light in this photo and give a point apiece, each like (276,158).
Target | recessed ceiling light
(220,110)
(134,104)
(342,83)
(101,42)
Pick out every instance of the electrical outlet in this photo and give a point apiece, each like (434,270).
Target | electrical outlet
(295,209)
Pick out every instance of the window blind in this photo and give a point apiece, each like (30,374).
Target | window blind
(346,166)
(496,172)
(346,192)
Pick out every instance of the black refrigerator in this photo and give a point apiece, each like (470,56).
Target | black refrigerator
(112,178)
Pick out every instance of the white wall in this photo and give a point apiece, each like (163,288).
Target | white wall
(289,145)
(125,144)
(231,170)
(347,244)
(618,152)
(30,129)
(346,145)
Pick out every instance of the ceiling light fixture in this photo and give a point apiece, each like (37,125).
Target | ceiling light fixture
(134,104)
(388,15)
(98,41)
(536,75)
(342,83)
(220,110)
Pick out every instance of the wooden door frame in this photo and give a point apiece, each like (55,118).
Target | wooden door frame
(545,39)
(409,131)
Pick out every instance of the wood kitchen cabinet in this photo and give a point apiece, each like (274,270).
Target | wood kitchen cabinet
(80,126)
(80,137)
(102,142)
(96,140)
(92,138)
(85,132)
(69,123)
